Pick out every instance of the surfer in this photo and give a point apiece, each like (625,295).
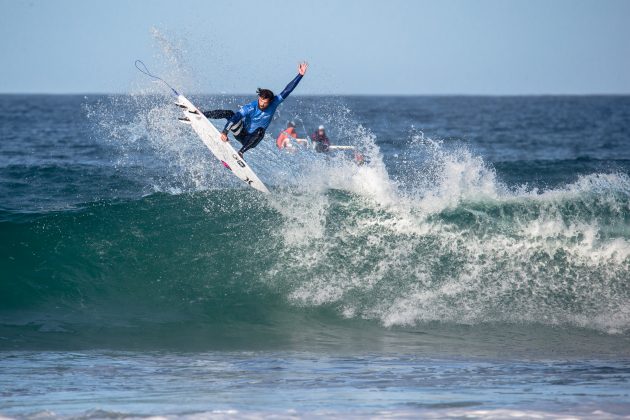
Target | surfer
(284,139)
(321,140)
(248,125)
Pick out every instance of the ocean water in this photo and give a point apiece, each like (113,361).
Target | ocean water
(476,266)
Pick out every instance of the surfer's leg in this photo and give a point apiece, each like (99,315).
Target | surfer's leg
(236,128)
(242,137)
(251,140)
(218,114)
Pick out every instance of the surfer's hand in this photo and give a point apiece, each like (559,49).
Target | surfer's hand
(302,68)
(224,137)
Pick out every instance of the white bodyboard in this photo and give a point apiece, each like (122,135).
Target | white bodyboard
(222,150)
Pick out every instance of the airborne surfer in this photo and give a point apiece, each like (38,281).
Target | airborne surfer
(249,123)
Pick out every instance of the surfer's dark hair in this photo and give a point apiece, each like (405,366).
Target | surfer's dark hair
(265,93)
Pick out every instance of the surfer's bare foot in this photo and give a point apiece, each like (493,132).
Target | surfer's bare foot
(224,137)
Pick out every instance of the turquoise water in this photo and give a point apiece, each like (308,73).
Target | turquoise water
(476,266)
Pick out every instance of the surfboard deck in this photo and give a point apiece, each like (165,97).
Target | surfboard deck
(219,148)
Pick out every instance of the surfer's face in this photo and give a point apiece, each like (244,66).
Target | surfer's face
(263,103)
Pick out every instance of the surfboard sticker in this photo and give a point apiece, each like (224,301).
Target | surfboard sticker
(223,151)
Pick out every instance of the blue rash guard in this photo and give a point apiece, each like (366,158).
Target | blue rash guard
(253,117)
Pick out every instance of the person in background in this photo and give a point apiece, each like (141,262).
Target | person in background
(286,136)
(321,140)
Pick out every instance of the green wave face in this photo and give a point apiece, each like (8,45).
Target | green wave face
(225,268)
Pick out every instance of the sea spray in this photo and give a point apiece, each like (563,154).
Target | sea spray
(444,240)
(467,250)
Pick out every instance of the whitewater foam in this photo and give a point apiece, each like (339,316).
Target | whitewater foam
(465,249)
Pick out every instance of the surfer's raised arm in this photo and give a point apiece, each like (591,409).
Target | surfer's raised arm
(302,67)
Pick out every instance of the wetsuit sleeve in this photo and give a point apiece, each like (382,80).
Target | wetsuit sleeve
(289,88)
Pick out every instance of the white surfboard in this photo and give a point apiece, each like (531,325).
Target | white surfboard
(221,149)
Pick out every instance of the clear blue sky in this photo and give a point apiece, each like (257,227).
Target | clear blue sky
(354,47)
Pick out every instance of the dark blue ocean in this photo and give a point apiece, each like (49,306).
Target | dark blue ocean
(477,265)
